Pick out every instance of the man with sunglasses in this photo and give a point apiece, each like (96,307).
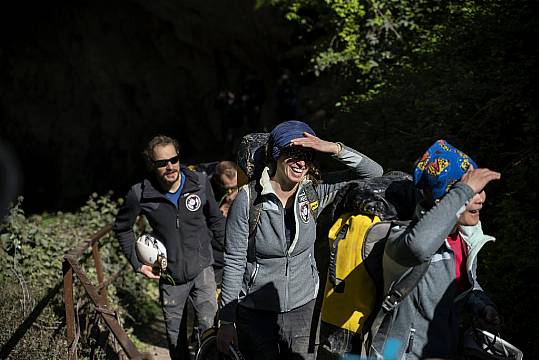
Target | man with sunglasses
(180,207)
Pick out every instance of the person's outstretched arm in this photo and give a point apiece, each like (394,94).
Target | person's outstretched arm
(359,166)
(418,243)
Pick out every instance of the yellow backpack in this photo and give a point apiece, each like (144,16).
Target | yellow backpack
(350,293)
(353,284)
(364,212)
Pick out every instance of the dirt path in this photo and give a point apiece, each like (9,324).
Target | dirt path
(158,353)
(153,336)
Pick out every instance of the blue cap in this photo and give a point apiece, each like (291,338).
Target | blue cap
(284,133)
(440,167)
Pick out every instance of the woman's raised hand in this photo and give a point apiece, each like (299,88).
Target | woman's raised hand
(315,143)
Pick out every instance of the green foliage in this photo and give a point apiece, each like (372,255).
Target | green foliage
(472,81)
(35,245)
(32,249)
(465,71)
(366,39)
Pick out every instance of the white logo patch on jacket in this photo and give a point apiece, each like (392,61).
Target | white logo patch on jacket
(192,202)
(304,212)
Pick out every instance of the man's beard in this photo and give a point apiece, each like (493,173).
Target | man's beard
(167,180)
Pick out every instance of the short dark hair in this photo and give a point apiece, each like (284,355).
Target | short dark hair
(227,168)
(158,140)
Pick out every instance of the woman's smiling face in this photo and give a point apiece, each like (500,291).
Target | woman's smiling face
(293,165)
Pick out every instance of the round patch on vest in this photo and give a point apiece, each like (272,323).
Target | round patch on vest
(304,212)
(192,202)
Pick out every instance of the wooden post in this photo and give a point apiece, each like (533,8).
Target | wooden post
(97,294)
(99,270)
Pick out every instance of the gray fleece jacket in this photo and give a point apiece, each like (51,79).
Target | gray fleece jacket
(281,278)
(426,322)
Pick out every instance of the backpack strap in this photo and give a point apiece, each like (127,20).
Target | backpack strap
(404,287)
(201,176)
(255,210)
(384,319)
(201,179)
(396,295)
(400,290)
(312,198)
(338,284)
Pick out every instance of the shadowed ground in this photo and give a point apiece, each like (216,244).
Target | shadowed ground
(153,336)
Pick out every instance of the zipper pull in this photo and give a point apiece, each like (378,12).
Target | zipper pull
(177,221)
(286,269)
(411,341)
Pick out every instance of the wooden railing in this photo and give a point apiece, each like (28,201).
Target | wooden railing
(97,294)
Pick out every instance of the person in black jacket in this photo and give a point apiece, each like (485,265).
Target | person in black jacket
(183,214)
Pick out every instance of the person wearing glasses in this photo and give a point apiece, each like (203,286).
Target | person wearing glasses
(183,214)
(267,299)
(226,182)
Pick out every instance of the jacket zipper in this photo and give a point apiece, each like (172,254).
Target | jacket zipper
(410,340)
(253,277)
(293,242)
(313,274)
(286,268)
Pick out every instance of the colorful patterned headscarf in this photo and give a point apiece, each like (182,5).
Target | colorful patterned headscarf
(285,132)
(441,167)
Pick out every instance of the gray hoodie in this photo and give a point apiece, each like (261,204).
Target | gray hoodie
(426,322)
(281,278)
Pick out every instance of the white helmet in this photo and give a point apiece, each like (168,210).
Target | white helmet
(151,251)
(480,344)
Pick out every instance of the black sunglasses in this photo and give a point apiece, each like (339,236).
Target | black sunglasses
(164,162)
(298,153)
